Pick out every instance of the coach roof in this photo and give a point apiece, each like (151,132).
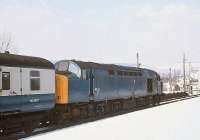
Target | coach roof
(13,60)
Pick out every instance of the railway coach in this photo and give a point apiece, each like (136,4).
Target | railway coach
(27,84)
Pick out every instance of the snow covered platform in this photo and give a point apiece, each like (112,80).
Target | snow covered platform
(176,121)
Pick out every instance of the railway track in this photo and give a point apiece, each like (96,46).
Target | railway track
(38,131)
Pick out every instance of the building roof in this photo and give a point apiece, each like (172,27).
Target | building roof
(13,60)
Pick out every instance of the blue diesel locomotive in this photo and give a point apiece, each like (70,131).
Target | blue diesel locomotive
(103,84)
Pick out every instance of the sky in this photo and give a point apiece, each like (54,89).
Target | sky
(105,31)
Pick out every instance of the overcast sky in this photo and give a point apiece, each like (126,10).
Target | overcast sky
(108,31)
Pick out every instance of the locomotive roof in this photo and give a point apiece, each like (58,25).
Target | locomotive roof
(13,60)
(85,65)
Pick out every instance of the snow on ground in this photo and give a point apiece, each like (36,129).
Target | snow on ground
(176,121)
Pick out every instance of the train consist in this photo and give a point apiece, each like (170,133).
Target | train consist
(35,93)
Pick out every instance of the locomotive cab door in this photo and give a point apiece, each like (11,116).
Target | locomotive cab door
(91,84)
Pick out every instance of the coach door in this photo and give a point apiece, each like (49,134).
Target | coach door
(24,80)
(10,81)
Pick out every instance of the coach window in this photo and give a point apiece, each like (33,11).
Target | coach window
(5,80)
(149,85)
(35,80)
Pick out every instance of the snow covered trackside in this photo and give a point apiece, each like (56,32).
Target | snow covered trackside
(176,121)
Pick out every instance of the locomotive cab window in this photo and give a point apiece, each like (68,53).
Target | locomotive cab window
(62,66)
(5,80)
(150,85)
(74,69)
(35,80)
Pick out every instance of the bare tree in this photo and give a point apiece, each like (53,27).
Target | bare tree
(7,43)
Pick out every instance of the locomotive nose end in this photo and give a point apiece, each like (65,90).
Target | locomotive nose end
(61,89)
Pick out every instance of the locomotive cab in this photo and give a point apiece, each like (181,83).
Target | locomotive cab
(65,70)
(72,83)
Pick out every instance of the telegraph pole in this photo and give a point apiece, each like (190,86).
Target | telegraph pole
(189,70)
(138,63)
(170,79)
(190,83)
(175,80)
(184,82)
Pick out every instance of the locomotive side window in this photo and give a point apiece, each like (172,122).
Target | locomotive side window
(35,80)
(84,74)
(150,85)
(111,72)
(120,73)
(5,80)
(128,73)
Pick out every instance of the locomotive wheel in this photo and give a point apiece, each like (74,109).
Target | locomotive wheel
(3,131)
(28,131)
